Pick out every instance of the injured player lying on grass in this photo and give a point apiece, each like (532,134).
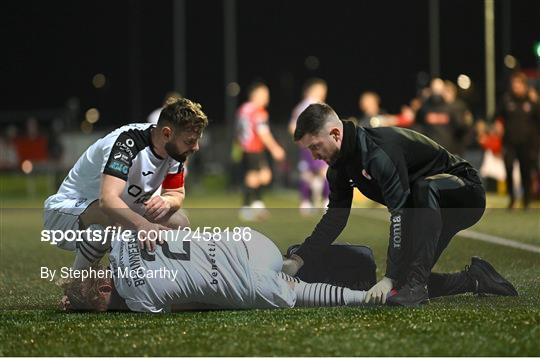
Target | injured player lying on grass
(189,272)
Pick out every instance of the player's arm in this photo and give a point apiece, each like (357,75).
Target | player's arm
(392,176)
(110,201)
(170,199)
(175,197)
(263,130)
(173,189)
(112,204)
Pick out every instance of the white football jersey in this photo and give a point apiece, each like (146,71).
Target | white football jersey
(125,153)
(185,269)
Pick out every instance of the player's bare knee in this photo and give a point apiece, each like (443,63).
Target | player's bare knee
(252,180)
(265,176)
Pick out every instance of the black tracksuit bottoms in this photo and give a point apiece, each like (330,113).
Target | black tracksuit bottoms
(442,205)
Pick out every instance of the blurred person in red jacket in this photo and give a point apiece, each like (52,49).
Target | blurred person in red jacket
(520,115)
(254,137)
(374,116)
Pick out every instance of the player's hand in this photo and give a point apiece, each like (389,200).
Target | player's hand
(156,208)
(292,264)
(278,153)
(378,293)
(64,303)
(148,235)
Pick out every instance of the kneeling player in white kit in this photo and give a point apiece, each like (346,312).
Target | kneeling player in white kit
(188,272)
(113,181)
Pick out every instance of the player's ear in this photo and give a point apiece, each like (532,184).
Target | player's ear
(335,133)
(167,132)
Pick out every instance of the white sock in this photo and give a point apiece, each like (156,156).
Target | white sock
(89,252)
(317,186)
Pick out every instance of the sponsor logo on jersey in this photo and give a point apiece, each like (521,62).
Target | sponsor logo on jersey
(125,148)
(80,202)
(147,173)
(119,167)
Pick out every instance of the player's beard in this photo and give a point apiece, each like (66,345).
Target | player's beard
(333,159)
(173,153)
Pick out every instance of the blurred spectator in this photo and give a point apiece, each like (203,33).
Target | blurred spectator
(56,152)
(489,137)
(154,116)
(373,116)
(520,115)
(314,188)
(460,118)
(254,136)
(33,145)
(433,118)
(8,151)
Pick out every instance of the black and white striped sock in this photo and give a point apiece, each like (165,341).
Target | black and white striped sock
(288,278)
(323,294)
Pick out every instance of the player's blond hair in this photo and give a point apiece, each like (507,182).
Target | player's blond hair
(83,294)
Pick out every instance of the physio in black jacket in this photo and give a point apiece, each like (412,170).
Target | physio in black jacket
(430,194)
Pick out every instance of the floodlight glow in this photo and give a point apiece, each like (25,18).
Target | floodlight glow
(464,81)
(510,61)
(92,115)
(233,89)
(99,80)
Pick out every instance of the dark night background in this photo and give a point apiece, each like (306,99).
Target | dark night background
(53,49)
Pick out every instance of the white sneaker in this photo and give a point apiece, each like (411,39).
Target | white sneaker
(306,208)
(247,213)
(259,210)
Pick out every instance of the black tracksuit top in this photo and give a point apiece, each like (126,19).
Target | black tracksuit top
(383,163)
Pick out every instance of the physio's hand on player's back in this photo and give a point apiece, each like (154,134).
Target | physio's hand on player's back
(378,293)
(156,208)
(148,235)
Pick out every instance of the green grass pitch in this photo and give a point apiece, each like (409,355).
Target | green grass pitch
(463,325)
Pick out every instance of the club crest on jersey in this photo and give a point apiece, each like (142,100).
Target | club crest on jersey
(119,167)
(366,174)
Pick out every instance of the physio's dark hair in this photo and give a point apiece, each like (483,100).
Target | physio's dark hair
(184,115)
(313,119)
